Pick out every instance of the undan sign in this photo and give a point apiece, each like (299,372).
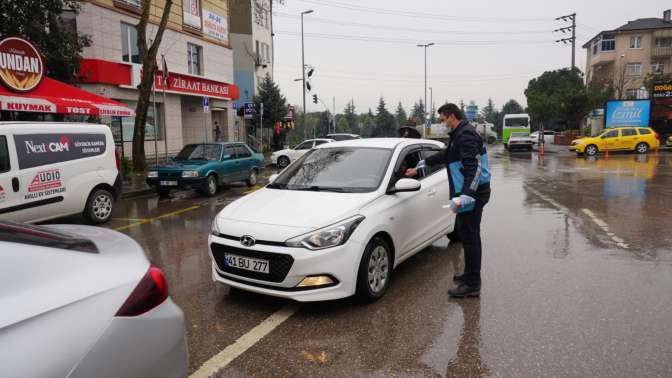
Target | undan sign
(21,66)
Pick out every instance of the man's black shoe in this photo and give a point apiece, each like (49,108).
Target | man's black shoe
(459,278)
(463,291)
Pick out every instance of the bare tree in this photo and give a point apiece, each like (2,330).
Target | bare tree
(148,61)
(622,81)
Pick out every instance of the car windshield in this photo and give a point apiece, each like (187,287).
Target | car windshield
(516,122)
(200,152)
(519,135)
(339,169)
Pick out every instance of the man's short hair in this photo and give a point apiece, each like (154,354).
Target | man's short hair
(448,109)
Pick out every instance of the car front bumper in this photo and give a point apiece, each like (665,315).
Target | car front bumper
(182,182)
(339,263)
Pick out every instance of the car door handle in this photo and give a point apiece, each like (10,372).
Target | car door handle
(15,184)
(431,193)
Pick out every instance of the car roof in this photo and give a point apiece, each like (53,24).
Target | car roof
(388,143)
(19,125)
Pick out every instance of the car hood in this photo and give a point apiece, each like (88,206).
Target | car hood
(286,150)
(183,164)
(296,209)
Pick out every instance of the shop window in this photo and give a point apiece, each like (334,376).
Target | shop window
(4,155)
(194,59)
(608,42)
(636,42)
(129,44)
(634,69)
(153,124)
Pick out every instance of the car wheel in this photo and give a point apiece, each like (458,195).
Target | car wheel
(252,179)
(99,206)
(591,150)
(454,236)
(210,188)
(492,140)
(642,148)
(283,161)
(374,270)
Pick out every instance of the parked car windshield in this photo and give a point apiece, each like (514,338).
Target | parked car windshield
(339,169)
(200,152)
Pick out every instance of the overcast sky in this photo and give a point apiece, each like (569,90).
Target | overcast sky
(362,50)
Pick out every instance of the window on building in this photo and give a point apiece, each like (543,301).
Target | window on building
(658,68)
(257,50)
(636,42)
(608,42)
(194,59)
(267,48)
(596,46)
(153,124)
(663,42)
(634,69)
(129,44)
(191,13)
(631,94)
(68,21)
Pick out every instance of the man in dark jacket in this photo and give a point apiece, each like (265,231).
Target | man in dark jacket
(466,160)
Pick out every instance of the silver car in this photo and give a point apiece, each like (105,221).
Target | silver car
(80,301)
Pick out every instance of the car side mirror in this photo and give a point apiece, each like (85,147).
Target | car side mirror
(273,178)
(405,185)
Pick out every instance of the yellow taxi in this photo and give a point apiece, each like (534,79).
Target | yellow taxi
(639,139)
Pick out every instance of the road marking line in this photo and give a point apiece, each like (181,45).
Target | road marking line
(605,227)
(150,220)
(254,189)
(245,342)
(130,219)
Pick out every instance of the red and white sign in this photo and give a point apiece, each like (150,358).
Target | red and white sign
(181,83)
(45,180)
(2,194)
(21,66)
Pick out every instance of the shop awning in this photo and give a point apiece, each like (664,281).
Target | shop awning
(52,96)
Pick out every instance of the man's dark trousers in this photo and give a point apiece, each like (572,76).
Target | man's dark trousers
(470,233)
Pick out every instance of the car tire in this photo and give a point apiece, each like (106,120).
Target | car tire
(283,162)
(99,206)
(375,270)
(252,178)
(591,150)
(210,186)
(492,140)
(642,148)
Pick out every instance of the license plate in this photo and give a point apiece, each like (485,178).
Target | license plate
(168,183)
(246,263)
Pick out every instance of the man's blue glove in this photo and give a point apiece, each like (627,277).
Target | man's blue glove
(467,203)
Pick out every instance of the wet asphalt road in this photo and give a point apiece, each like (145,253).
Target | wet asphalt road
(577,276)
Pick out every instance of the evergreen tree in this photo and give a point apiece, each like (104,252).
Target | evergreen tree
(351,117)
(342,125)
(401,116)
(368,124)
(418,113)
(384,122)
(489,112)
(275,106)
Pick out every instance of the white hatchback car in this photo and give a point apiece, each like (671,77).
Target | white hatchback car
(80,301)
(284,157)
(334,223)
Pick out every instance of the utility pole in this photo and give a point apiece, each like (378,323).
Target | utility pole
(333,104)
(425,46)
(431,101)
(303,72)
(568,29)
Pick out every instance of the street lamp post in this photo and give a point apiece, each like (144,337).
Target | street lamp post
(425,46)
(303,72)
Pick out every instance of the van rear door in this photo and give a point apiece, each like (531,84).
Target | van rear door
(9,180)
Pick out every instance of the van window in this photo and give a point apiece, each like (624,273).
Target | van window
(4,155)
(628,132)
(644,131)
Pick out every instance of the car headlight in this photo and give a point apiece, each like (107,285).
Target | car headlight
(214,228)
(152,174)
(327,237)
(190,174)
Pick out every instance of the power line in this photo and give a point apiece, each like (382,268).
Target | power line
(365,74)
(434,16)
(398,28)
(414,41)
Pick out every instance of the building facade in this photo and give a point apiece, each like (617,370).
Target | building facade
(627,57)
(198,54)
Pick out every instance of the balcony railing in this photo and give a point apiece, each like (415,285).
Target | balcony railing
(661,52)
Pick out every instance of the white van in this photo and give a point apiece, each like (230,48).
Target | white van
(51,170)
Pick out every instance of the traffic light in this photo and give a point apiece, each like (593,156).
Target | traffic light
(314,99)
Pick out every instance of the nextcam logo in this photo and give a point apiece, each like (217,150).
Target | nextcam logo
(61,146)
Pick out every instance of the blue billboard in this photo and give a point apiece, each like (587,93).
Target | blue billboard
(628,113)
